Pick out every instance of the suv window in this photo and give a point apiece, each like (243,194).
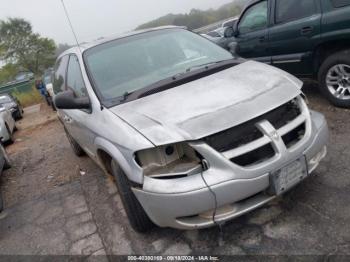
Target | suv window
(287,10)
(75,80)
(60,73)
(340,3)
(254,18)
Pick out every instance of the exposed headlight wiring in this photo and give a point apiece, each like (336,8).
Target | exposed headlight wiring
(221,233)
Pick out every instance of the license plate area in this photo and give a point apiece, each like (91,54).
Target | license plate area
(287,177)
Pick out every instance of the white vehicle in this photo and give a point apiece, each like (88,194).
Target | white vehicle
(193,136)
(7,125)
(47,79)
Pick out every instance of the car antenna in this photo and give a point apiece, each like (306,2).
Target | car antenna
(74,34)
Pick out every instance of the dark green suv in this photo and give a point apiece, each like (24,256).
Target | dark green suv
(307,38)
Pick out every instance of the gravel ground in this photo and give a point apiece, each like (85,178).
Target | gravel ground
(57,203)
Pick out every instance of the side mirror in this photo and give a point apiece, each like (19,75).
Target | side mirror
(67,100)
(231,31)
(228,32)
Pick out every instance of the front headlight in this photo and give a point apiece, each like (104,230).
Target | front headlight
(169,161)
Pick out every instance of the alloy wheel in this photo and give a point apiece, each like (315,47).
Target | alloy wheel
(338,81)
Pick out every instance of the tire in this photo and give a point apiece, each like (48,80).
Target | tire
(138,218)
(10,140)
(20,114)
(334,78)
(78,151)
(7,163)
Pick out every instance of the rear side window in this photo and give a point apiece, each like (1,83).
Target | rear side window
(340,3)
(75,81)
(287,10)
(60,75)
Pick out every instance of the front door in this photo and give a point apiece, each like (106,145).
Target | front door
(252,38)
(75,118)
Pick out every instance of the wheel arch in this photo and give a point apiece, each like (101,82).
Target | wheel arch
(326,49)
(106,152)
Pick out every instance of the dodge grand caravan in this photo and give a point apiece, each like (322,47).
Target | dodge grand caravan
(192,136)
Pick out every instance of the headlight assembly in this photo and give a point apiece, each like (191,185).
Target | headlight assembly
(169,161)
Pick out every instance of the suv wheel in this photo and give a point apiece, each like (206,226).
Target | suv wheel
(334,78)
(137,216)
(78,151)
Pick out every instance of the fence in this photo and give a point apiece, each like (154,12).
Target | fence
(24,91)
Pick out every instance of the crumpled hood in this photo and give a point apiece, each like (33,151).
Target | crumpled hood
(210,104)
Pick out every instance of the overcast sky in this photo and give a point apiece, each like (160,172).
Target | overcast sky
(95,18)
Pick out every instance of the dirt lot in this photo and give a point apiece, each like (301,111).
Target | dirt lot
(57,203)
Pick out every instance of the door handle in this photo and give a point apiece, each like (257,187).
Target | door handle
(306,30)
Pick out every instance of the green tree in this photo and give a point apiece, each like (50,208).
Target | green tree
(20,46)
(197,18)
(8,72)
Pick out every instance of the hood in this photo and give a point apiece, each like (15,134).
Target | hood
(210,104)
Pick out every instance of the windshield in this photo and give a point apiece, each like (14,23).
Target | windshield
(5,99)
(132,63)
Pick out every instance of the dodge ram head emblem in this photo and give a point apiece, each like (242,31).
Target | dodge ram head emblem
(274,135)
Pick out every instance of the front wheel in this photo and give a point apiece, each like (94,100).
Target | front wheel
(334,78)
(20,114)
(137,216)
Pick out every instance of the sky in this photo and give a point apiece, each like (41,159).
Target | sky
(95,18)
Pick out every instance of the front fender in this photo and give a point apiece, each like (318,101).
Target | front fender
(125,159)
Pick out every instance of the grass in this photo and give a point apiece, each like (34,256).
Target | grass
(29,98)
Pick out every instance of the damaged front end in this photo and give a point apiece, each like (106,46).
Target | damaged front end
(235,164)
(169,161)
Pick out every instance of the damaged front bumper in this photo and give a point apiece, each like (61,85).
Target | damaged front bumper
(187,203)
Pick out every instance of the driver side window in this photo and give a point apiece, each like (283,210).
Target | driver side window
(255,18)
(75,81)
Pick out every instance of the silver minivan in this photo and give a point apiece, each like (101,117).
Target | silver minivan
(193,136)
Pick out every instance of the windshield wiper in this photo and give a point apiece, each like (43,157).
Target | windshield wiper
(120,99)
(206,65)
(125,96)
